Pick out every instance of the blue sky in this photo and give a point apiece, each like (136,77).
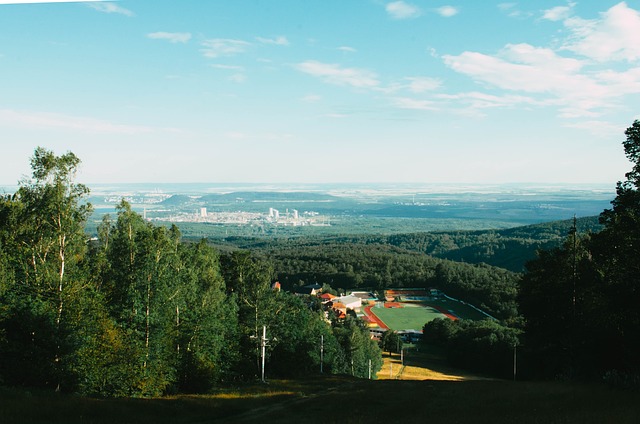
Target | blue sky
(321,90)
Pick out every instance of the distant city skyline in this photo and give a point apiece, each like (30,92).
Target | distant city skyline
(321,91)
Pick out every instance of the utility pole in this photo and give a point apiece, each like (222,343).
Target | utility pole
(321,351)
(263,345)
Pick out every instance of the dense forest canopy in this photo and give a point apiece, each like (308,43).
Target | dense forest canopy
(137,311)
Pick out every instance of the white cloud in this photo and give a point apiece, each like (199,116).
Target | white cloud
(347,49)
(223,47)
(521,67)
(312,98)
(228,67)
(558,81)
(422,84)
(470,104)
(511,9)
(615,36)
(447,11)
(558,13)
(105,7)
(278,41)
(238,78)
(174,37)
(40,120)
(334,74)
(477,100)
(402,10)
(408,103)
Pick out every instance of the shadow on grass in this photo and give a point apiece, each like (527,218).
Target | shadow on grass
(343,400)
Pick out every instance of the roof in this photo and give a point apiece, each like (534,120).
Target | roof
(304,290)
(349,299)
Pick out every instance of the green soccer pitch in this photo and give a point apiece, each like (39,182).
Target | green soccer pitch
(409,317)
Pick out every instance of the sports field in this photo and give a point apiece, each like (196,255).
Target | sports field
(407,317)
(414,315)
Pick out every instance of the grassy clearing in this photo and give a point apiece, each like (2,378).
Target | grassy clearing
(425,364)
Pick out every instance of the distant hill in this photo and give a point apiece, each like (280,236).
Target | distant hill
(508,248)
(260,201)
(177,200)
(265,196)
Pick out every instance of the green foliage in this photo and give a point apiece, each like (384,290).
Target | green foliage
(139,313)
(484,346)
(375,266)
(357,349)
(581,301)
(391,341)
(42,248)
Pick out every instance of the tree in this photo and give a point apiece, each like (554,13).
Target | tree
(206,322)
(616,250)
(248,281)
(142,290)
(391,341)
(43,224)
(580,302)
(357,349)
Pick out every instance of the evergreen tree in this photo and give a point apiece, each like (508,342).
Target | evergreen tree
(580,302)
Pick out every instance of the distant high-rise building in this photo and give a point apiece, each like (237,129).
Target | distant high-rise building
(295,214)
(203,212)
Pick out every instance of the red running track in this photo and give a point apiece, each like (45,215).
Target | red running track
(373,317)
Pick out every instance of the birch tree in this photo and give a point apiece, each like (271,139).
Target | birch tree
(44,225)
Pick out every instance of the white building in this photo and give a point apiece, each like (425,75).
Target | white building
(351,302)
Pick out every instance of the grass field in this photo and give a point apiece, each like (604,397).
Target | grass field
(409,317)
(413,316)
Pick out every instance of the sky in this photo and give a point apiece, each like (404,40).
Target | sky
(321,91)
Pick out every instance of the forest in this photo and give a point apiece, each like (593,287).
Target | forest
(139,311)
(136,312)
